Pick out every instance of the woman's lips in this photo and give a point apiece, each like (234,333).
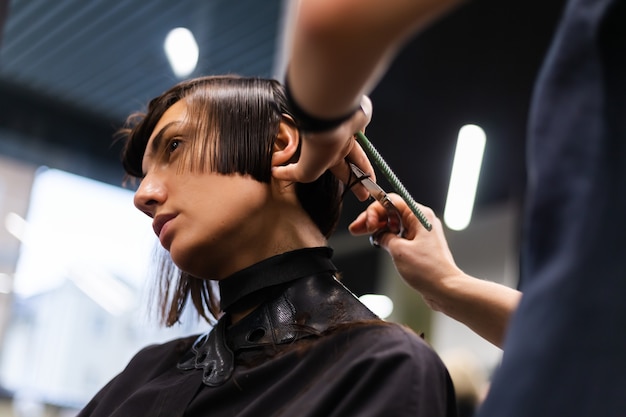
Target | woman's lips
(159,223)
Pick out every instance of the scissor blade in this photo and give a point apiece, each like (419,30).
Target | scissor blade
(374,189)
(394,220)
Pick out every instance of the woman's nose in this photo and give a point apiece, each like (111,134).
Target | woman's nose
(149,195)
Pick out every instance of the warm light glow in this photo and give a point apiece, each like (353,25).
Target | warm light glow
(468,159)
(182,52)
(381,305)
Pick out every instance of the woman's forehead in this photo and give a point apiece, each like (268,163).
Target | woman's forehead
(177,112)
(174,116)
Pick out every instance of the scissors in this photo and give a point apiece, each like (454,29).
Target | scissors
(394,219)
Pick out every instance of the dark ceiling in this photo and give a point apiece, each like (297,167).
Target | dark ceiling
(70,71)
(477,65)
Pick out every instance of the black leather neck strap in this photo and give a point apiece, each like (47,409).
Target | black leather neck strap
(308,307)
(277,270)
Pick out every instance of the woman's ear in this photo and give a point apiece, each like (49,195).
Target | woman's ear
(287,142)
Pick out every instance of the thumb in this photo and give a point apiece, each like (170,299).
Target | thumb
(287,172)
(283,172)
(385,241)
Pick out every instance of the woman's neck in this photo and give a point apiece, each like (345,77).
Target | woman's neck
(280,232)
(243,291)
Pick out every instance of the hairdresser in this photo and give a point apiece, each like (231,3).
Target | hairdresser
(568,328)
(328,93)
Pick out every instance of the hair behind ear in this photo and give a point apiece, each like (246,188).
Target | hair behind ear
(321,199)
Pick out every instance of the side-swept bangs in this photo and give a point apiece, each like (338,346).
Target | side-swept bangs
(232,122)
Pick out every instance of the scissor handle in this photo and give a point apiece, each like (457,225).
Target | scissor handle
(394,223)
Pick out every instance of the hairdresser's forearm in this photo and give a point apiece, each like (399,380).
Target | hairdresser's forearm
(341,48)
(484,306)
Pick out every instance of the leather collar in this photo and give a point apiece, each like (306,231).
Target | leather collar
(277,270)
(307,307)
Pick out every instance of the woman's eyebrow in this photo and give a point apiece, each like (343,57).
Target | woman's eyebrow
(156,142)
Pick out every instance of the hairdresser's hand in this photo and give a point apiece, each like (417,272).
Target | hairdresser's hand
(424,261)
(422,258)
(330,150)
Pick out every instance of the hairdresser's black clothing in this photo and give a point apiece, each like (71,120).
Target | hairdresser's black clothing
(565,353)
(295,355)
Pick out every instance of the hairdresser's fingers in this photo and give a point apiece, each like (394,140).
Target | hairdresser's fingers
(415,234)
(359,158)
(386,241)
(313,161)
(423,257)
(373,218)
(364,117)
(328,150)
(342,171)
(318,152)
(355,153)
(409,221)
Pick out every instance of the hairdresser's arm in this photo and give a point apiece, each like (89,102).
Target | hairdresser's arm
(425,262)
(341,48)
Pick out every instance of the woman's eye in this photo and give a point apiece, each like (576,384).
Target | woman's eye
(173,145)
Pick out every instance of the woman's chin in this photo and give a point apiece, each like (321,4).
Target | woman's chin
(197,266)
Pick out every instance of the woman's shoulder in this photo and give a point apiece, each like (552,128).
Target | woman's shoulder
(381,341)
(385,356)
(161,355)
(383,334)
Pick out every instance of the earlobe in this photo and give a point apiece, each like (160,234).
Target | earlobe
(287,143)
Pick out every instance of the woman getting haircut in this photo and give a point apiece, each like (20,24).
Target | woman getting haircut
(287,338)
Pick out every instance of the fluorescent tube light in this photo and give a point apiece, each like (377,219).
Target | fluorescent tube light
(468,159)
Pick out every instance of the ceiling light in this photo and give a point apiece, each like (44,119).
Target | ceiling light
(468,159)
(181,50)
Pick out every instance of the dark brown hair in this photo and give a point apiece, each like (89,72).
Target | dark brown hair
(234,122)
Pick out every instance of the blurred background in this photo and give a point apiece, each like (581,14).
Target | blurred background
(74,252)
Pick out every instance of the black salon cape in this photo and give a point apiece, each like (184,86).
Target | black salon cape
(360,366)
(368,370)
